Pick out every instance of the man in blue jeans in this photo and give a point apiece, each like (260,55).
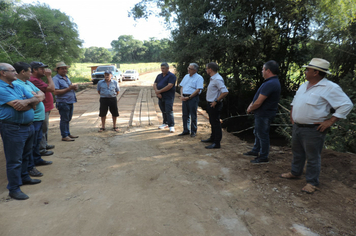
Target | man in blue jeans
(191,86)
(23,75)
(65,97)
(264,105)
(164,87)
(17,131)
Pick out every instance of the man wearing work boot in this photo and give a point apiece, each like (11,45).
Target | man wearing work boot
(65,98)
(17,131)
(214,96)
(264,105)
(23,75)
(39,70)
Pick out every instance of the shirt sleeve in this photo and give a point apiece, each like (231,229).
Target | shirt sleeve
(39,84)
(117,88)
(200,83)
(172,79)
(222,87)
(26,93)
(56,83)
(339,101)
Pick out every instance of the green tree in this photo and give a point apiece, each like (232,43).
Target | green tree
(128,49)
(37,32)
(97,54)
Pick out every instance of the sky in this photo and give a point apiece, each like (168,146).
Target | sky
(102,21)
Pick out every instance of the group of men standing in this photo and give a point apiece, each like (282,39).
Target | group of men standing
(190,88)
(309,113)
(25,104)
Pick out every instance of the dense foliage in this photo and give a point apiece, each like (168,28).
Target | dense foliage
(128,49)
(242,35)
(37,32)
(96,54)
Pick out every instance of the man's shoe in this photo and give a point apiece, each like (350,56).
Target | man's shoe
(67,139)
(163,126)
(43,163)
(171,129)
(46,153)
(193,135)
(212,146)
(259,161)
(184,133)
(19,196)
(209,140)
(251,153)
(31,181)
(50,147)
(34,172)
(73,136)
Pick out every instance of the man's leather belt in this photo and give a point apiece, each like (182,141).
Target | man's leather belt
(186,95)
(14,123)
(307,125)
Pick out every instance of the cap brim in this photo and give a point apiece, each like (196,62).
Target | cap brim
(316,68)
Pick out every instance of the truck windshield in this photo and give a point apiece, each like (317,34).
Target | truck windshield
(104,68)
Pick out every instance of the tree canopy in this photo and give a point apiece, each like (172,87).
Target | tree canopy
(37,32)
(97,54)
(128,49)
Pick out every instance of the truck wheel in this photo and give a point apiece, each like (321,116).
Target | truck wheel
(95,82)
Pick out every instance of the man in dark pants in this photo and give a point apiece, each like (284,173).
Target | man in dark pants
(65,98)
(264,105)
(17,131)
(214,95)
(164,87)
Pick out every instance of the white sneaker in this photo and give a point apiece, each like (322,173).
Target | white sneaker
(171,129)
(163,126)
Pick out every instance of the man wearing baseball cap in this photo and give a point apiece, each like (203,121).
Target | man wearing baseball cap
(310,118)
(39,70)
(108,90)
(65,98)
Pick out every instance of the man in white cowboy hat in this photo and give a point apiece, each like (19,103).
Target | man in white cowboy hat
(65,98)
(310,118)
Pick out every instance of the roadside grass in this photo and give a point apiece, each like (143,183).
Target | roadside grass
(80,72)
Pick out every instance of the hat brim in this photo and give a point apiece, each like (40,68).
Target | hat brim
(317,68)
(56,68)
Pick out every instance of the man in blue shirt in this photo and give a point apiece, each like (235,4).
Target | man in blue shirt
(264,105)
(164,87)
(17,131)
(65,97)
(191,86)
(23,75)
(108,90)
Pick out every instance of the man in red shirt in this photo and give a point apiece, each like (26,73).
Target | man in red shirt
(40,70)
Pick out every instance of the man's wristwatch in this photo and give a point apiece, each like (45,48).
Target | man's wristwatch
(216,100)
(189,97)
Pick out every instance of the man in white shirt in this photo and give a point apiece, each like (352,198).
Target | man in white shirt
(191,86)
(309,115)
(214,95)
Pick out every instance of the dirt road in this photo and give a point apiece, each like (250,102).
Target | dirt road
(145,181)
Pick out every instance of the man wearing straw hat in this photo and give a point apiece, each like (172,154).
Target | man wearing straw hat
(310,118)
(65,98)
